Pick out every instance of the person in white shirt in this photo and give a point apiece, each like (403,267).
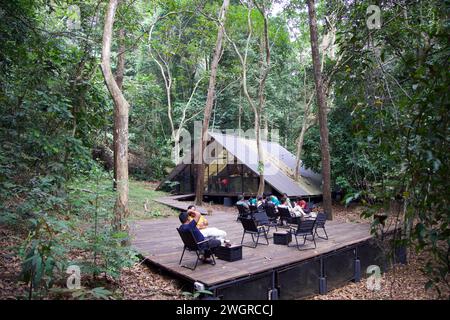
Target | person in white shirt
(295,211)
(203,225)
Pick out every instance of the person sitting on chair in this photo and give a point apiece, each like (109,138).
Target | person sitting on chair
(295,211)
(203,225)
(274,200)
(252,201)
(187,226)
(302,203)
(260,203)
(288,201)
(242,202)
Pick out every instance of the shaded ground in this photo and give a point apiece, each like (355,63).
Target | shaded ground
(403,282)
(10,288)
(142,283)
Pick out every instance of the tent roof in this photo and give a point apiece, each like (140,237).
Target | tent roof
(279,165)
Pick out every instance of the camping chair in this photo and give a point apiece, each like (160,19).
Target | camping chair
(192,245)
(285,215)
(309,207)
(254,230)
(320,223)
(271,212)
(304,229)
(262,219)
(253,208)
(243,212)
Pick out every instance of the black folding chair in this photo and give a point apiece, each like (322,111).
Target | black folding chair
(320,223)
(252,208)
(243,212)
(271,212)
(262,219)
(309,207)
(304,229)
(192,245)
(285,216)
(253,229)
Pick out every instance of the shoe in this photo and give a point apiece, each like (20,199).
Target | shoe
(207,260)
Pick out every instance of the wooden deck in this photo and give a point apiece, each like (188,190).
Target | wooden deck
(158,241)
(176,203)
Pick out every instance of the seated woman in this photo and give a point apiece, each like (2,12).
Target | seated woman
(274,200)
(203,225)
(252,201)
(296,211)
(302,203)
(288,201)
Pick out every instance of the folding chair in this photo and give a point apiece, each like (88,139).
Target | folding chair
(243,212)
(304,229)
(262,219)
(285,216)
(192,245)
(271,212)
(250,227)
(320,223)
(252,208)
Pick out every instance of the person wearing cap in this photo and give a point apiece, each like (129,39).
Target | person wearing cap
(187,226)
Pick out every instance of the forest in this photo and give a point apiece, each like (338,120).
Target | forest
(94,95)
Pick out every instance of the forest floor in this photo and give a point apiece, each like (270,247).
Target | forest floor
(143,283)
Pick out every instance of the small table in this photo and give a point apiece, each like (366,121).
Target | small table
(231,253)
(282,238)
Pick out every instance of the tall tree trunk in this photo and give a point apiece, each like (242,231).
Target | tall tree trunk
(298,155)
(119,80)
(240,112)
(260,154)
(321,102)
(306,125)
(210,102)
(264,72)
(122,107)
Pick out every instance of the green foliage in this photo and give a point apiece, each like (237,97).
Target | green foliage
(197,293)
(389,127)
(42,255)
(99,293)
(79,233)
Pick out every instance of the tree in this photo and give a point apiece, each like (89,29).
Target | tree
(209,102)
(322,112)
(257,107)
(121,119)
(309,116)
(119,80)
(166,55)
